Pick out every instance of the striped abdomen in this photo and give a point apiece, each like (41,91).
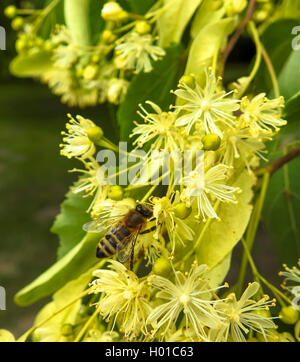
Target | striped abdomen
(116,238)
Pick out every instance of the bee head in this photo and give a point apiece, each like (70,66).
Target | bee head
(145,211)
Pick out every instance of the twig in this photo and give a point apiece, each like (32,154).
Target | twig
(278,164)
(237,34)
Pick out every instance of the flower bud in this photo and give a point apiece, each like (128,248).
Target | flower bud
(260,15)
(289,315)
(108,37)
(216,4)
(95,134)
(79,72)
(17,23)
(95,58)
(117,90)
(116,193)
(111,11)
(189,80)
(124,16)
(67,330)
(235,7)
(21,44)
(48,45)
(142,27)
(211,142)
(90,72)
(182,211)
(10,11)
(119,62)
(162,267)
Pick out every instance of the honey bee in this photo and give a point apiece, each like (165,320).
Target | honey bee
(121,233)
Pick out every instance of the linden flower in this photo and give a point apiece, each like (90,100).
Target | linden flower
(117,89)
(201,188)
(136,52)
(190,295)
(151,248)
(207,106)
(164,211)
(159,129)
(238,143)
(105,207)
(244,315)
(292,277)
(262,114)
(92,182)
(124,298)
(77,141)
(73,91)
(166,142)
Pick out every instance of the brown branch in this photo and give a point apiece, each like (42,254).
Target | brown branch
(278,164)
(232,42)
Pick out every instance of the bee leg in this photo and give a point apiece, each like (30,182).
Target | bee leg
(148,230)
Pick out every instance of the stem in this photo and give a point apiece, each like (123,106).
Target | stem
(43,13)
(252,229)
(78,22)
(271,71)
(31,330)
(106,143)
(278,294)
(278,164)
(232,42)
(257,60)
(87,324)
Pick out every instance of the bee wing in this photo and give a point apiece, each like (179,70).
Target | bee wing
(125,253)
(101,225)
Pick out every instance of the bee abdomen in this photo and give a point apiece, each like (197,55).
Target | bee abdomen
(107,247)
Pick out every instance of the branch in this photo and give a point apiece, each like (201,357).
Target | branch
(278,164)
(232,42)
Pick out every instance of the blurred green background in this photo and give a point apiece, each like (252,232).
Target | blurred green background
(34,180)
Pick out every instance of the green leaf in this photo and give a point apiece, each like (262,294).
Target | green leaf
(292,107)
(137,6)
(76,262)
(55,17)
(282,206)
(218,274)
(154,86)
(33,64)
(289,9)
(51,330)
(68,224)
(277,40)
(205,16)
(221,237)
(174,20)
(97,23)
(207,45)
(289,77)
